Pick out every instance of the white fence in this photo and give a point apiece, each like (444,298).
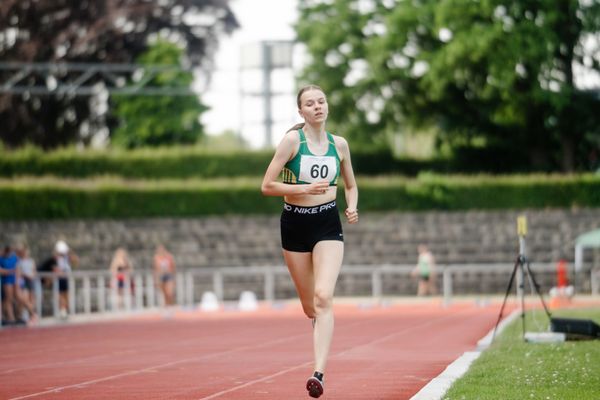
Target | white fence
(96,292)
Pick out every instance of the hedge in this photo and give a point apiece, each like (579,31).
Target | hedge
(181,163)
(48,198)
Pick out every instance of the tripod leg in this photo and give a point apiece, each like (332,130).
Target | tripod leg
(536,287)
(510,281)
(522,289)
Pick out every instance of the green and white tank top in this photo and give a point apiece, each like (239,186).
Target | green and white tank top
(424,265)
(306,167)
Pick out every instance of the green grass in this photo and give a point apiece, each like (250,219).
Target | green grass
(512,369)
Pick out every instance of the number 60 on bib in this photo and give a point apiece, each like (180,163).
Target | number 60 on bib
(317,168)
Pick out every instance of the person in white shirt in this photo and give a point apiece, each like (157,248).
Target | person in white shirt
(64,257)
(26,278)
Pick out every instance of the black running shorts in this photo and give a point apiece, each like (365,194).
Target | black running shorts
(303,227)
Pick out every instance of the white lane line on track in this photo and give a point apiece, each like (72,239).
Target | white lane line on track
(439,385)
(250,383)
(341,353)
(242,348)
(152,368)
(131,351)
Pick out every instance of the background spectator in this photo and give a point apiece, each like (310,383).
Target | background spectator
(121,269)
(26,277)
(8,266)
(164,273)
(425,272)
(64,258)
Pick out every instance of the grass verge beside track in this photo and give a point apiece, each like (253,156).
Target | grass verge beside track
(512,369)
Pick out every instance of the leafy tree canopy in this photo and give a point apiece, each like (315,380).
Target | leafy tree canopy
(496,75)
(115,31)
(159,120)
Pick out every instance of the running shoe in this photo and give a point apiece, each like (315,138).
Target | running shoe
(315,387)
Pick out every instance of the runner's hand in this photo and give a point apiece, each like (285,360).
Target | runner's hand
(351,215)
(317,187)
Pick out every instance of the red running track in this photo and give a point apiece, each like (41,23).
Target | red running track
(378,353)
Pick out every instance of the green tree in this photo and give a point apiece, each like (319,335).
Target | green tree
(491,75)
(101,31)
(159,120)
(333,34)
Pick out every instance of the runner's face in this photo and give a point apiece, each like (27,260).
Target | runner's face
(313,106)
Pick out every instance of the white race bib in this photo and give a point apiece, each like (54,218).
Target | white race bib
(317,168)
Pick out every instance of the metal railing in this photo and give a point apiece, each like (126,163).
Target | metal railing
(86,79)
(92,292)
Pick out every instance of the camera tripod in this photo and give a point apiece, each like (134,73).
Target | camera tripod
(522,266)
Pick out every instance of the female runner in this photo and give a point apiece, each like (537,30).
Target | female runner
(311,160)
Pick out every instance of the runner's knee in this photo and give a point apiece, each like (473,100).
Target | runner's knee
(309,309)
(323,300)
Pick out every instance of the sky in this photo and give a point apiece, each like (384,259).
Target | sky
(262,20)
(259,20)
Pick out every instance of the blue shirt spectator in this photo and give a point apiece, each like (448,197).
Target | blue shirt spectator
(8,263)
